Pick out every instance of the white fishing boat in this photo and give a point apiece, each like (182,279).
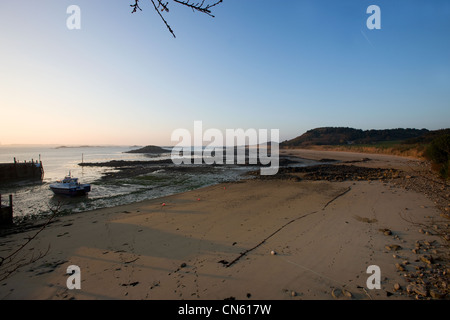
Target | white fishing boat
(70,186)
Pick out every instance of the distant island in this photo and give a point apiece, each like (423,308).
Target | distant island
(149,149)
(64,147)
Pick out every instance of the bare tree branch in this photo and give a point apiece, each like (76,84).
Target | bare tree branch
(161,6)
(165,22)
(201,7)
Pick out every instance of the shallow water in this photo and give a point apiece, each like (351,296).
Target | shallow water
(34,199)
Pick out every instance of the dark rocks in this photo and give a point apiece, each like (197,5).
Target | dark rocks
(149,149)
(331,172)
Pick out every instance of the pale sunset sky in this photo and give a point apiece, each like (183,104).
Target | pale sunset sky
(293,65)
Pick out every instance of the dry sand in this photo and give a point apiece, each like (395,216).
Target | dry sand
(216,242)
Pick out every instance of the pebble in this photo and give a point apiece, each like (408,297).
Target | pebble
(386,232)
(427,259)
(393,247)
(436,294)
(421,290)
(336,293)
(399,267)
(348,294)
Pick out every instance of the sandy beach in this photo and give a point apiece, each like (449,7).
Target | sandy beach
(264,239)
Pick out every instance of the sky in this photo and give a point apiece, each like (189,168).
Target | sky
(293,65)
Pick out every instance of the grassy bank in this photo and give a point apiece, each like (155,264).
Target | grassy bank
(396,148)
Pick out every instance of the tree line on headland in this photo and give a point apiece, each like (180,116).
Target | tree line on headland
(422,143)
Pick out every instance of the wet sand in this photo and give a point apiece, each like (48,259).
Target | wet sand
(265,239)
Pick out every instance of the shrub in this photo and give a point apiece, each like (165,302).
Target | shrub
(438,151)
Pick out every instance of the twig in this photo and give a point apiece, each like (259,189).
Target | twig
(339,195)
(135,6)
(200,6)
(282,227)
(270,236)
(10,258)
(164,7)
(164,20)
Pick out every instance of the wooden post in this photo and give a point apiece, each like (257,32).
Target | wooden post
(6,213)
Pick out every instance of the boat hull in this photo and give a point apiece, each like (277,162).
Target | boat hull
(71,191)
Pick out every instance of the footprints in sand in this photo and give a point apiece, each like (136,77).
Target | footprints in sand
(186,280)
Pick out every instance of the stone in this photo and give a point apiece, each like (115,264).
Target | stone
(421,290)
(386,232)
(427,259)
(399,267)
(393,247)
(348,294)
(410,288)
(336,293)
(436,294)
(397,287)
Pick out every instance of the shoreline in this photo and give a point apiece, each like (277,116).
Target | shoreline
(216,242)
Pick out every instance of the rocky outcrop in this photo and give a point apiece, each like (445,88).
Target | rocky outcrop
(149,149)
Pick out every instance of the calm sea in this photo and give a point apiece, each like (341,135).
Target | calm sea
(33,199)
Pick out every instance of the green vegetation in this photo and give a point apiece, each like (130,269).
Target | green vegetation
(438,152)
(348,136)
(432,145)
